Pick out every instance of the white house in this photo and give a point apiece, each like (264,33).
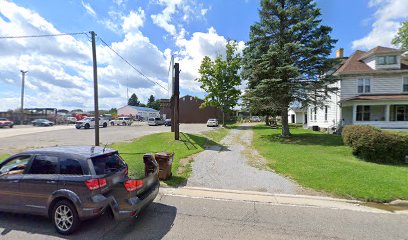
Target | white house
(373,90)
(139,112)
(297,115)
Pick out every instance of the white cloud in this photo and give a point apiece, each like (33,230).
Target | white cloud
(388,16)
(88,9)
(185,9)
(60,69)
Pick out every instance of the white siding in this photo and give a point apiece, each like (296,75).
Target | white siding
(370,62)
(380,84)
(333,113)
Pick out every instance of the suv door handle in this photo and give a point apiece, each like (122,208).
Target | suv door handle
(14,181)
(51,181)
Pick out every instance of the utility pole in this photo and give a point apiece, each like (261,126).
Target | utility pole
(176,101)
(95,76)
(23,73)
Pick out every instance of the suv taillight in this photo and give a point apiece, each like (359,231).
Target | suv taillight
(95,184)
(132,185)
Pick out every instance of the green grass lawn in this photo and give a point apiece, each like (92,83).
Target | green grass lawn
(188,145)
(321,161)
(3,157)
(218,134)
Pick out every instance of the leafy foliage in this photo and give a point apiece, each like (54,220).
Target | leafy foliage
(153,103)
(374,145)
(402,36)
(220,79)
(133,100)
(286,59)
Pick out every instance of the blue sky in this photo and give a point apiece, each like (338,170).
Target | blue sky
(147,33)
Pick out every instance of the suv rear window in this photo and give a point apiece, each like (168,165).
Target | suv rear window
(70,167)
(107,164)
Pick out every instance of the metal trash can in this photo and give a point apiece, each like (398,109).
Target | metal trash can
(165,161)
(150,163)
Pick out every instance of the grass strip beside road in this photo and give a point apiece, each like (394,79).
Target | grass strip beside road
(3,157)
(321,161)
(188,145)
(217,134)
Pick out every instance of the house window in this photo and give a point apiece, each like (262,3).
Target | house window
(325,112)
(315,113)
(364,85)
(405,84)
(401,113)
(363,113)
(386,60)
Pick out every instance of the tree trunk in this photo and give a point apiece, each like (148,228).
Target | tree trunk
(223,118)
(285,123)
(267,120)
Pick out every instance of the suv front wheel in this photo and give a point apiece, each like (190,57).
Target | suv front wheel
(65,217)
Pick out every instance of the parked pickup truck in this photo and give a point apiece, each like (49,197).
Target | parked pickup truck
(89,122)
(122,121)
(4,122)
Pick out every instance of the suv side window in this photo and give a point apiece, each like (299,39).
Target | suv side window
(43,164)
(70,167)
(16,165)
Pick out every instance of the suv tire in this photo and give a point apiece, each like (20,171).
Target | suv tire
(105,125)
(87,126)
(65,217)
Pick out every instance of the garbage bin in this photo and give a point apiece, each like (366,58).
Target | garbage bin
(165,161)
(150,163)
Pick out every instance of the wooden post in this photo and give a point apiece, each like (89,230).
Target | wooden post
(176,102)
(95,76)
(172,111)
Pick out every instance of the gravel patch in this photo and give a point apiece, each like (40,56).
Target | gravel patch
(227,167)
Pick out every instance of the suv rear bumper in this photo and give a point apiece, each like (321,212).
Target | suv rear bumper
(131,209)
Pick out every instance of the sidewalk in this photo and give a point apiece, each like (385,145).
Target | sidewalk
(274,199)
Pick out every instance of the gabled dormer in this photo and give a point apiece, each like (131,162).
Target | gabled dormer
(382,58)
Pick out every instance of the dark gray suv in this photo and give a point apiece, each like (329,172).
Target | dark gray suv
(70,184)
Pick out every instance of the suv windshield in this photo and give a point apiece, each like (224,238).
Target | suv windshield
(108,163)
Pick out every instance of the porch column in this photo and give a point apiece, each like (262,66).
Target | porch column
(354,113)
(387,113)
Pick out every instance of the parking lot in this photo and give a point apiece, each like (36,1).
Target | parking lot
(13,140)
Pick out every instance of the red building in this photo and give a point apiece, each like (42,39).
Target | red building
(190,111)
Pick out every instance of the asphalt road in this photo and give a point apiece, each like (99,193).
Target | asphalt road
(184,217)
(23,137)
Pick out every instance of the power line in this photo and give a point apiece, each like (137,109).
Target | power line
(126,61)
(44,35)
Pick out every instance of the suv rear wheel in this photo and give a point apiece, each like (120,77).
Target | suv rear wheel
(87,126)
(65,217)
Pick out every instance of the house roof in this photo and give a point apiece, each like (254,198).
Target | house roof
(378,97)
(144,109)
(355,64)
(380,50)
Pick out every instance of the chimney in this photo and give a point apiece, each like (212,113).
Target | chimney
(340,53)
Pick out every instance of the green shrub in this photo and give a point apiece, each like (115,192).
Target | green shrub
(374,145)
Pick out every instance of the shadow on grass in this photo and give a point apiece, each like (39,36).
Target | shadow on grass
(176,181)
(207,143)
(311,138)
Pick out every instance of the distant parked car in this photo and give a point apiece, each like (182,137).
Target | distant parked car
(155,121)
(123,121)
(212,122)
(4,122)
(167,122)
(71,184)
(255,119)
(89,122)
(42,123)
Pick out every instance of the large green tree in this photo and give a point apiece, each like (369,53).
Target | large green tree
(286,58)
(402,37)
(220,79)
(133,100)
(153,103)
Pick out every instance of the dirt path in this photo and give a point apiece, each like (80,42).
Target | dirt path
(232,167)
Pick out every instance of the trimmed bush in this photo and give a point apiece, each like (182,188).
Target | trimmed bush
(374,145)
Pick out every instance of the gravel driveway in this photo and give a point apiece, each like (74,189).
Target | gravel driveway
(228,167)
